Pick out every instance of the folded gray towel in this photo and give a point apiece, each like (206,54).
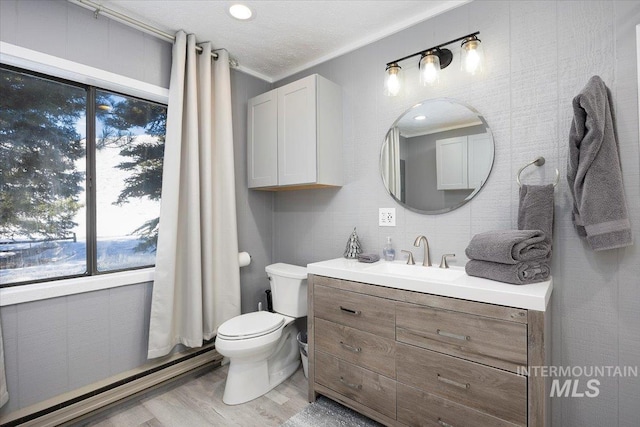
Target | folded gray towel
(509,246)
(368,258)
(594,173)
(535,210)
(523,273)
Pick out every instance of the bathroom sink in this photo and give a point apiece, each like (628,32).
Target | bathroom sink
(416,271)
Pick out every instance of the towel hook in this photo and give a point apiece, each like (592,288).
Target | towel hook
(539,161)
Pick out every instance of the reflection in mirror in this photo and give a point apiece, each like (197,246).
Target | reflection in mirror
(436,156)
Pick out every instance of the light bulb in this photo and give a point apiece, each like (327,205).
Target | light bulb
(393,80)
(471,56)
(429,69)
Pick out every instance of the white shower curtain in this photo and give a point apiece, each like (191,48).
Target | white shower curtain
(197,278)
(4,394)
(391,162)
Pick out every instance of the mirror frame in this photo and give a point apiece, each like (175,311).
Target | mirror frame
(470,196)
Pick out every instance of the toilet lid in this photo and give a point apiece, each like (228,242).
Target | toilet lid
(250,325)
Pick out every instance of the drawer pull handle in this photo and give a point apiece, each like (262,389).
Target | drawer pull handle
(443,424)
(350,347)
(454,336)
(352,312)
(350,385)
(453,383)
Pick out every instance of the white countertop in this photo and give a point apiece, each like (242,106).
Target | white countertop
(533,297)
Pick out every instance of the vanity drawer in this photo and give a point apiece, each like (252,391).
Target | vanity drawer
(495,392)
(360,348)
(368,388)
(419,408)
(364,312)
(493,342)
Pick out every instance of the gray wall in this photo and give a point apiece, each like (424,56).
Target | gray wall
(62,29)
(57,345)
(539,56)
(254,208)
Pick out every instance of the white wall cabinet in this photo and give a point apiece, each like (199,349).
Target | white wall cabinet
(294,136)
(451,163)
(463,162)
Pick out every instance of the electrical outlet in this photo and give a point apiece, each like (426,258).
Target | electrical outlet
(387,217)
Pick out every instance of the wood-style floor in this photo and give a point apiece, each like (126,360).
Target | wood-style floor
(197,402)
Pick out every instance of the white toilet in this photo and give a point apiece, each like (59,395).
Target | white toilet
(262,346)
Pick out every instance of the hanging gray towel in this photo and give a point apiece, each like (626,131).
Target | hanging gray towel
(535,210)
(594,173)
(523,273)
(509,246)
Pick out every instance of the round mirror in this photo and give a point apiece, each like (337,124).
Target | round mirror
(437,155)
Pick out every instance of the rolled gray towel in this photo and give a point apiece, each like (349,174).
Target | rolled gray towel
(368,258)
(522,273)
(509,246)
(535,209)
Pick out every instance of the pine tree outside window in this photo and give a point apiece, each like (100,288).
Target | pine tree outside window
(80,179)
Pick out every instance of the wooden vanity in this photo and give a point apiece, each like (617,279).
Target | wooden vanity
(411,358)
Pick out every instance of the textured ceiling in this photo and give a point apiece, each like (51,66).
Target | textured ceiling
(284,37)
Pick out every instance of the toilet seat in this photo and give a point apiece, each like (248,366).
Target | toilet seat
(250,325)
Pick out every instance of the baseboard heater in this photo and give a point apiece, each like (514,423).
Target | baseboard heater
(86,401)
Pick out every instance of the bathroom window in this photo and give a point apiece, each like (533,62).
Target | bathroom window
(80,179)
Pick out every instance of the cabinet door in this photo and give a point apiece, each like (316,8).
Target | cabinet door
(262,140)
(451,163)
(480,158)
(297,132)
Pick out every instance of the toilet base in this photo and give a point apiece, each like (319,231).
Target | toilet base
(250,379)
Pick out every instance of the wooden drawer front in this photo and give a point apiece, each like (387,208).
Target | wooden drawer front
(371,314)
(365,387)
(492,391)
(360,348)
(419,408)
(489,341)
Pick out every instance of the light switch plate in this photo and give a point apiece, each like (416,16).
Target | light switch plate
(387,217)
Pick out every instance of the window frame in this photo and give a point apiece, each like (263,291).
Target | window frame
(44,66)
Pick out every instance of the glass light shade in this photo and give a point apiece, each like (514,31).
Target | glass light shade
(429,69)
(471,56)
(392,80)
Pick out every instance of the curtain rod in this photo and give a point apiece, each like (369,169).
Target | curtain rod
(131,22)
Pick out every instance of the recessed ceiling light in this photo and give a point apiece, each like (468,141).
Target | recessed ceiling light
(420,117)
(240,11)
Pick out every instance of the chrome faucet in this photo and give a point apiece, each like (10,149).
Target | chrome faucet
(426,260)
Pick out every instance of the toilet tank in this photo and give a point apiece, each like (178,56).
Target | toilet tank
(288,289)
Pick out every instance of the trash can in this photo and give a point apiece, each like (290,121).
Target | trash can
(304,347)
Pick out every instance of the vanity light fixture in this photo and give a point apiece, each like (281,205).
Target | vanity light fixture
(433,60)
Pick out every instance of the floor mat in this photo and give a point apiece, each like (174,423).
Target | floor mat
(325,412)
